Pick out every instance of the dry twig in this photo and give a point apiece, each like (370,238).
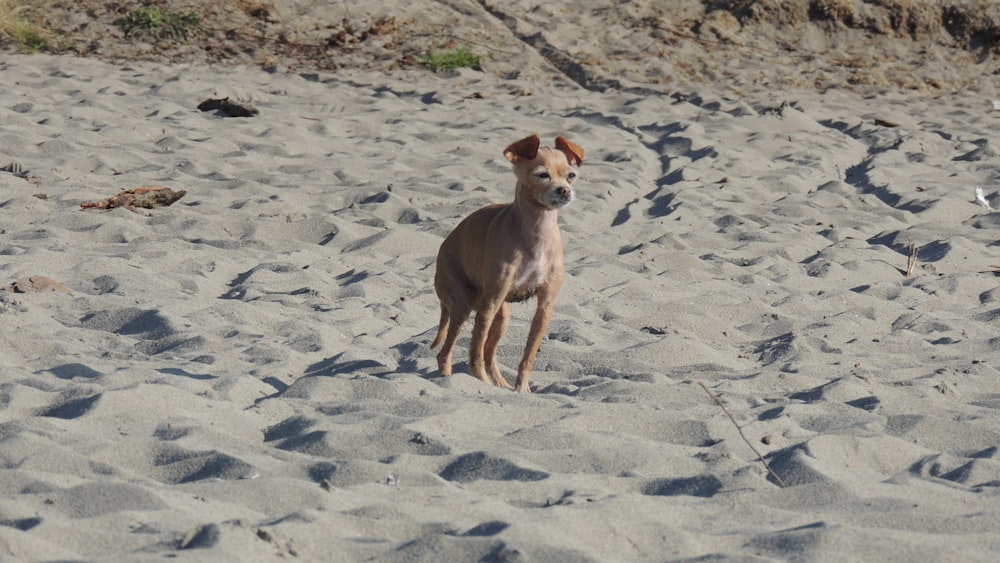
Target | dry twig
(742,435)
(912,261)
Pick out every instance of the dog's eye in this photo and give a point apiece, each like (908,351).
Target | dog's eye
(542,175)
(571,176)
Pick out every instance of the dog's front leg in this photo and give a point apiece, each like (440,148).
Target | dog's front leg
(500,323)
(543,314)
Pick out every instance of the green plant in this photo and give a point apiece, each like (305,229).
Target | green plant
(459,58)
(21,23)
(159,23)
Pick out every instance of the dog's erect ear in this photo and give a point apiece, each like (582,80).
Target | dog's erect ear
(573,152)
(525,149)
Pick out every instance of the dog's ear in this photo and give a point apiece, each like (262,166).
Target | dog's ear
(525,149)
(573,152)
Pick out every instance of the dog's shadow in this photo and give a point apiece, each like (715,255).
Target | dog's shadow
(410,354)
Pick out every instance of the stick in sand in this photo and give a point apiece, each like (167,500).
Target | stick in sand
(742,435)
(912,261)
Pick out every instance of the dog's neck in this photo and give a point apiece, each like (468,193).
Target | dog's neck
(536,222)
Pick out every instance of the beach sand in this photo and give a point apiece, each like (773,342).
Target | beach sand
(245,375)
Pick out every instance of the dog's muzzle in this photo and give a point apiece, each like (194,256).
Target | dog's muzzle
(559,197)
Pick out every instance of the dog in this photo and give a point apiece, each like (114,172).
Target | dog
(503,254)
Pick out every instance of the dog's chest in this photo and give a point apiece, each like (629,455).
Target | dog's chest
(534,272)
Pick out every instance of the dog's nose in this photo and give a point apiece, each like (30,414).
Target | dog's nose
(564,191)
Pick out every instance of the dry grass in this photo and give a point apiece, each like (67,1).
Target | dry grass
(22,23)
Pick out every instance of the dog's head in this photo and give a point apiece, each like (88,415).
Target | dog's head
(545,174)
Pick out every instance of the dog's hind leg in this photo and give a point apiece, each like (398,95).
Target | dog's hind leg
(456,320)
(442,326)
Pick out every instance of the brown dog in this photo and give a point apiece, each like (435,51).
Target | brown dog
(507,253)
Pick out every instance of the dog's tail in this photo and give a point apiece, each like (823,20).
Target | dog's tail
(442,327)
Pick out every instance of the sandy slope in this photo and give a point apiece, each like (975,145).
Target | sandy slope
(935,47)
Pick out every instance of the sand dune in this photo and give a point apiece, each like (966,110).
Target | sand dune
(244,375)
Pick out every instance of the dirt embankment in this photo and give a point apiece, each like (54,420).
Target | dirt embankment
(907,44)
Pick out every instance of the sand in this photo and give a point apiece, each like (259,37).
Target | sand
(245,375)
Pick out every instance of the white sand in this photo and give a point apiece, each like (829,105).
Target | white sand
(244,376)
